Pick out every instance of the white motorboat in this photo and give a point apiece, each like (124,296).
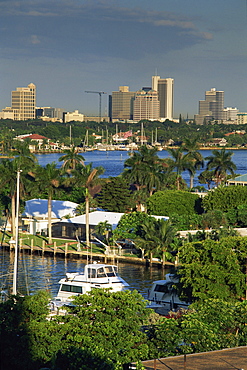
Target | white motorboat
(163,295)
(94,276)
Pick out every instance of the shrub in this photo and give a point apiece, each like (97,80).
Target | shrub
(170,202)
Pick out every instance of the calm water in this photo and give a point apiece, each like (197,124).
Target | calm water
(113,161)
(37,272)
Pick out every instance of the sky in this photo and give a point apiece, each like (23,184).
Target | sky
(67,47)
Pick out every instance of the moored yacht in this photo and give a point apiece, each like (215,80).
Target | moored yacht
(94,276)
(163,296)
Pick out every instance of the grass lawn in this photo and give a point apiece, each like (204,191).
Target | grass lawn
(25,239)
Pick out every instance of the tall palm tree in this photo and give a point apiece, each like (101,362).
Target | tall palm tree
(48,179)
(180,162)
(192,148)
(165,234)
(145,170)
(147,242)
(88,177)
(220,161)
(71,158)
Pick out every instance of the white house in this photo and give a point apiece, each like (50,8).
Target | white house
(35,215)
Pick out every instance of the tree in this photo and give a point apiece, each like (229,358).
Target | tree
(206,177)
(115,195)
(191,146)
(104,229)
(225,198)
(71,158)
(48,179)
(180,162)
(211,269)
(165,235)
(169,202)
(87,177)
(144,169)
(130,225)
(221,162)
(147,242)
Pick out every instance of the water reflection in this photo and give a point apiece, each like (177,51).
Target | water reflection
(44,272)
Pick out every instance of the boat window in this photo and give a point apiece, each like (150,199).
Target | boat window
(101,273)
(71,288)
(91,273)
(76,289)
(115,270)
(109,271)
(164,288)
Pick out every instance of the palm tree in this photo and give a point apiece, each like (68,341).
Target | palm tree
(180,162)
(48,179)
(192,148)
(71,158)
(147,242)
(87,177)
(145,170)
(221,162)
(165,234)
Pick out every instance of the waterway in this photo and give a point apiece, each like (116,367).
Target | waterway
(113,161)
(37,272)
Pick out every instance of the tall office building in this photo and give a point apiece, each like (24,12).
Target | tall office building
(23,101)
(165,88)
(212,108)
(121,104)
(146,105)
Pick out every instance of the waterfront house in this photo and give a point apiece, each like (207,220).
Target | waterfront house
(35,215)
(75,227)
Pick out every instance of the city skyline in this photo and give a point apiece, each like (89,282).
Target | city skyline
(67,48)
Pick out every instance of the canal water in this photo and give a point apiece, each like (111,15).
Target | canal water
(37,272)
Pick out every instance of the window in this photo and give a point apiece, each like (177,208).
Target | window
(71,288)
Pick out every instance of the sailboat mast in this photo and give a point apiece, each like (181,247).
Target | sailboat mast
(16,232)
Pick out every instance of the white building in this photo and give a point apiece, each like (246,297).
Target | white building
(23,100)
(146,105)
(241,118)
(165,88)
(73,116)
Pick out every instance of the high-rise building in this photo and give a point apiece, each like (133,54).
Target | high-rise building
(121,104)
(23,100)
(146,105)
(165,88)
(212,108)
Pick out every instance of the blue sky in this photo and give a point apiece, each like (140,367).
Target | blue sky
(68,46)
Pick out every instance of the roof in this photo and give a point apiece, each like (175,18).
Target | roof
(96,217)
(229,358)
(241,178)
(37,208)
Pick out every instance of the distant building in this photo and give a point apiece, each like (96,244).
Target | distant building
(212,108)
(146,105)
(49,112)
(121,104)
(38,142)
(73,116)
(9,113)
(165,88)
(241,118)
(23,102)
(230,114)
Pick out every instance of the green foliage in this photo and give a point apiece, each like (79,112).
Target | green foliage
(169,202)
(225,198)
(102,332)
(210,325)
(214,219)
(186,222)
(212,269)
(115,195)
(130,225)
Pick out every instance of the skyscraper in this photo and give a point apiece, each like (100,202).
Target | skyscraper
(23,101)
(165,88)
(212,107)
(121,104)
(146,105)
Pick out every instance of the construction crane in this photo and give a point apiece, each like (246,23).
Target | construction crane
(100,94)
